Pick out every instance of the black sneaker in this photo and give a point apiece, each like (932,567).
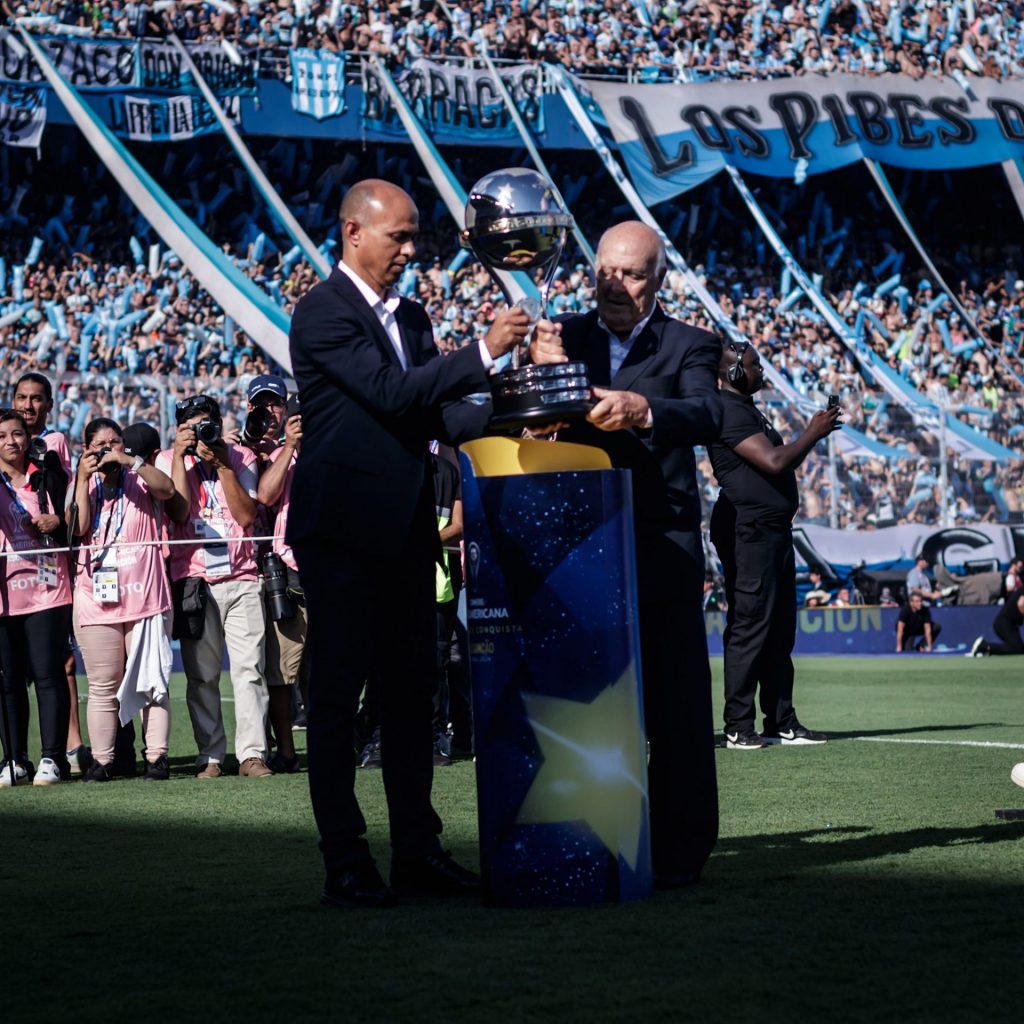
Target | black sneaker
(743,741)
(442,750)
(158,770)
(795,735)
(98,773)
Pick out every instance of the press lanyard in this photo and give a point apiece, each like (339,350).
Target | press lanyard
(209,485)
(98,560)
(23,512)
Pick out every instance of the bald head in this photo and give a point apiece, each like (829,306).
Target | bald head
(370,196)
(630,269)
(379,222)
(641,241)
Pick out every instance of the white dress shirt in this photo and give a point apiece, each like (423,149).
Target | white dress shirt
(618,350)
(385,310)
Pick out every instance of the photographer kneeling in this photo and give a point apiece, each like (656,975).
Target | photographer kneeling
(217,591)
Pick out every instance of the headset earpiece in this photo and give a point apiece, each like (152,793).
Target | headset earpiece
(736,375)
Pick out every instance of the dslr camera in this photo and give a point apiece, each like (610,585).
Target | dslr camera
(36,452)
(275,587)
(256,425)
(208,429)
(111,469)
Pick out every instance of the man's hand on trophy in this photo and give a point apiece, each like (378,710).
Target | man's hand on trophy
(509,329)
(546,344)
(619,410)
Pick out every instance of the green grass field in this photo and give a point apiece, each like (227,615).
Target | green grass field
(860,881)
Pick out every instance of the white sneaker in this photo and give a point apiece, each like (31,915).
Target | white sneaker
(8,778)
(47,774)
(80,759)
(1017,774)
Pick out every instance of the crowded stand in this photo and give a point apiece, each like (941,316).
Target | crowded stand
(127,332)
(673,41)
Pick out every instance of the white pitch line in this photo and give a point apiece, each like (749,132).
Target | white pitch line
(941,743)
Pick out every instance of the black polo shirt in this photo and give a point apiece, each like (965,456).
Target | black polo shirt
(913,622)
(768,498)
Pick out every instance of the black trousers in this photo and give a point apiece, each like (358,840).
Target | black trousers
(445,616)
(1010,636)
(911,640)
(760,624)
(371,617)
(34,646)
(682,784)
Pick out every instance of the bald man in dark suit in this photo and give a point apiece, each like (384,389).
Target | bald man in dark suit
(657,396)
(374,392)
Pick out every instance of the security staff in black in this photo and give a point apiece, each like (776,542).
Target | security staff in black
(1007,625)
(751,528)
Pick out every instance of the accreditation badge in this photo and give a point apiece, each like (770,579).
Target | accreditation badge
(105,589)
(46,571)
(215,556)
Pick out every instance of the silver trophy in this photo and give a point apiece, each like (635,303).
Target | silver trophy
(515,220)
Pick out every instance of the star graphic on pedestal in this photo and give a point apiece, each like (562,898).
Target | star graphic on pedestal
(594,765)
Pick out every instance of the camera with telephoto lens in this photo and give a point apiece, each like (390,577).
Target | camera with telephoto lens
(257,423)
(275,584)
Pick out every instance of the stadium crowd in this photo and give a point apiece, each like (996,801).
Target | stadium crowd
(127,333)
(687,41)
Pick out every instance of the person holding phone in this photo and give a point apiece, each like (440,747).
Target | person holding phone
(751,528)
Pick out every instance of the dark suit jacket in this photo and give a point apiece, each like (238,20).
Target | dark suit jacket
(367,423)
(675,366)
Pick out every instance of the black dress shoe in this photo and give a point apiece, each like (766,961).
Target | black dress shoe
(434,874)
(359,885)
(675,880)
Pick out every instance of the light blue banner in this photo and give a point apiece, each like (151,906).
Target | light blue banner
(457,101)
(673,137)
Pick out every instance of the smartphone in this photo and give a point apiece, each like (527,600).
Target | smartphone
(833,401)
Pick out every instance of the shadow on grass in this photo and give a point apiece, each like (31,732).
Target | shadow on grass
(910,730)
(848,844)
(165,922)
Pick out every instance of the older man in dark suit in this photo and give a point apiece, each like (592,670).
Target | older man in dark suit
(374,393)
(656,398)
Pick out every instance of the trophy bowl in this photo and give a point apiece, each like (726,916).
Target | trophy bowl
(515,221)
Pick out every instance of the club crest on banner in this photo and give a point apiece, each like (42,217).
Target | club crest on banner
(318,83)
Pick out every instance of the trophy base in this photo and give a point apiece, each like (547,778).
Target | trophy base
(534,396)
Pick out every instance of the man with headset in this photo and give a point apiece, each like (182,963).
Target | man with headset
(751,528)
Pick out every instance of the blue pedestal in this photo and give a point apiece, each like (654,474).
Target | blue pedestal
(555,665)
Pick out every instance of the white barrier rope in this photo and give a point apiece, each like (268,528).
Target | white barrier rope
(134,544)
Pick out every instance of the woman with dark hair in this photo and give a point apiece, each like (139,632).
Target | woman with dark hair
(35,607)
(121,595)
